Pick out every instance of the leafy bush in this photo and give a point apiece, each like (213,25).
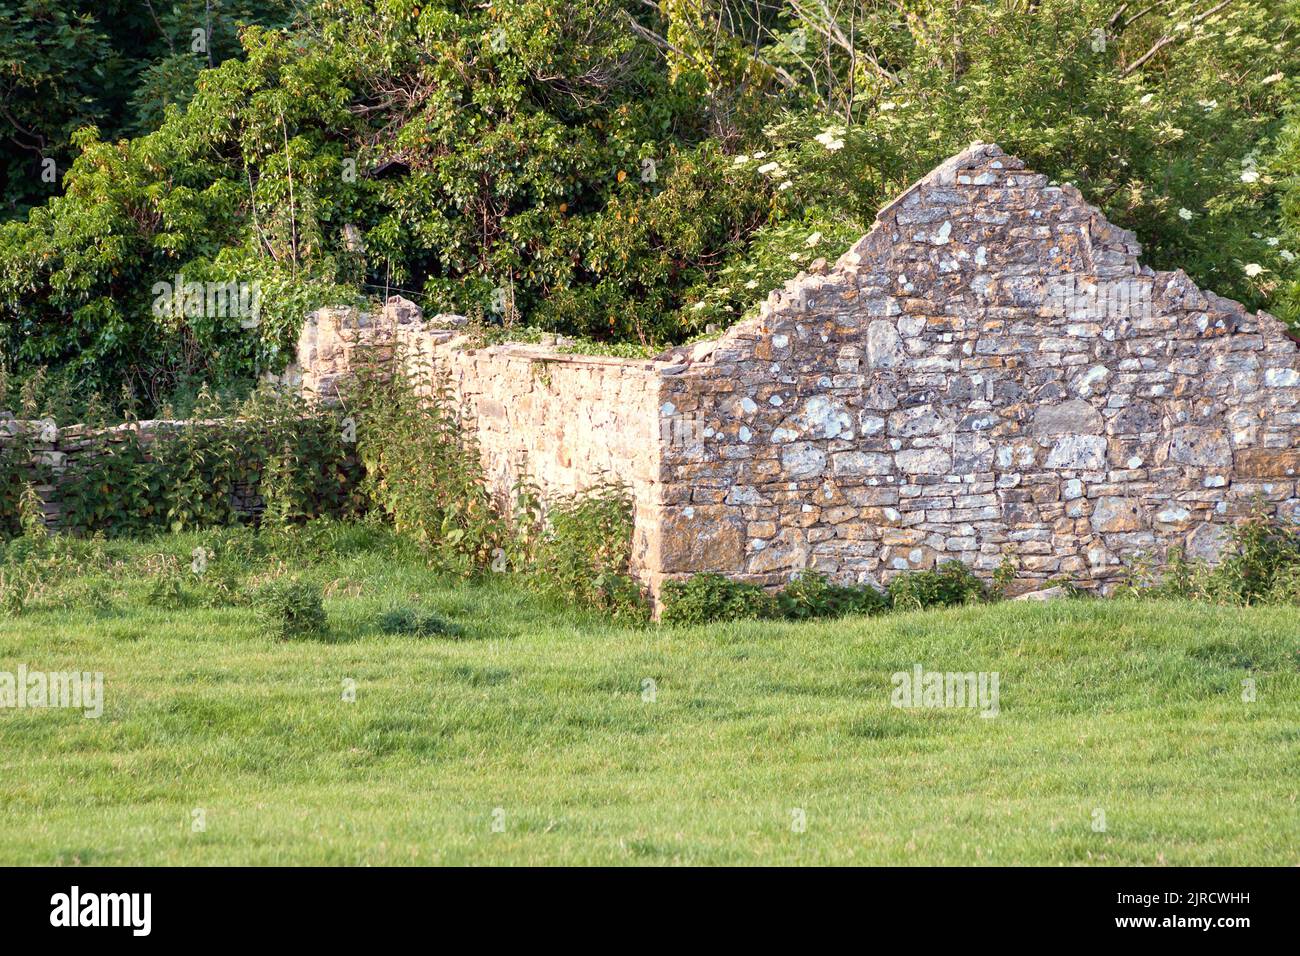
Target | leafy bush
(520,136)
(1260,564)
(270,447)
(422,469)
(631,172)
(812,595)
(292,609)
(15,487)
(705,598)
(118,63)
(951,583)
(35,565)
(585,552)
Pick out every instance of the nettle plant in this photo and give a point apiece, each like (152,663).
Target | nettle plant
(424,472)
(810,594)
(271,459)
(422,468)
(1260,564)
(584,553)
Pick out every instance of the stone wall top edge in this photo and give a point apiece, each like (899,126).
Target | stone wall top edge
(782,301)
(537,353)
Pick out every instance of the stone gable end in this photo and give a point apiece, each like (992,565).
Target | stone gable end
(989,374)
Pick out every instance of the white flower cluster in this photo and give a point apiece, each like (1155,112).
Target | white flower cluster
(832,137)
(1249,174)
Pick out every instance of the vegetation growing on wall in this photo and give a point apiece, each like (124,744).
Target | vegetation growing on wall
(1260,564)
(424,473)
(703,598)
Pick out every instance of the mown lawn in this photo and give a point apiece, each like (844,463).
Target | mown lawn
(529,739)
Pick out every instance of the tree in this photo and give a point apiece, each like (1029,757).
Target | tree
(115,64)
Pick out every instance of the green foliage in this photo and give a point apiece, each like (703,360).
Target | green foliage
(302,460)
(703,598)
(630,175)
(1003,578)
(36,564)
(1282,265)
(706,598)
(584,554)
(296,546)
(812,595)
(292,609)
(525,159)
(115,487)
(168,591)
(1173,145)
(951,583)
(116,63)
(14,478)
(272,447)
(414,622)
(1260,564)
(423,470)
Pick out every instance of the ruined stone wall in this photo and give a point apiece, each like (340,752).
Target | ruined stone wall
(990,373)
(565,422)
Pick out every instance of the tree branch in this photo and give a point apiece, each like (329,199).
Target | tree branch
(1168,38)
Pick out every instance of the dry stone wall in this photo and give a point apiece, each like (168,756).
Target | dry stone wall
(989,374)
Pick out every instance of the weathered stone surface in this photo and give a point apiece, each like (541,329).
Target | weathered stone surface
(701,539)
(1172,517)
(1268,463)
(1054,593)
(1206,543)
(1208,447)
(1137,418)
(1078,453)
(884,347)
(861,463)
(820,417)
(1112,514)
(924,461)
(803,460)
(1075,417)
(917,421)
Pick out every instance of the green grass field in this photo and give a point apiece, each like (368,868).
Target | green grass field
(529,739)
